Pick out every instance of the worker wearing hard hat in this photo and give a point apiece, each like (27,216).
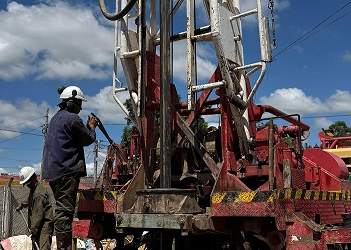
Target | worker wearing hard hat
(64,161)
(40,210)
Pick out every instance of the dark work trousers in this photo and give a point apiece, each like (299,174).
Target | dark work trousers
(45,240)
(65,193)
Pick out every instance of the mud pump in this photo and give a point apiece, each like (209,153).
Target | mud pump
(236,185)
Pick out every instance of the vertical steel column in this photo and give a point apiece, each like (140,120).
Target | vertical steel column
(271,155)
(142,58)
(165,110)
(190,24)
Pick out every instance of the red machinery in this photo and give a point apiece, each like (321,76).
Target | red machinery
(234,186)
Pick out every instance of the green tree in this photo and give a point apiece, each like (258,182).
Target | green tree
(127,130)
(199,126)
(340,129)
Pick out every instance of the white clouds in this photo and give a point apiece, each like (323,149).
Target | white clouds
(57,40)
(3,171)
(36,166)
(205,67)
(322,123)
(293,100)
(250,5)
(20,114)
(281,5)
(339,101)
(104,106)
(347,56)
(25,114)
(90,164)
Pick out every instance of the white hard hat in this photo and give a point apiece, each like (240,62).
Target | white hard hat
(72,92)
(25,174)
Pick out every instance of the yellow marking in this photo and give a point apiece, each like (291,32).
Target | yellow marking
(274,195)
(120,198)
(308,195)
(287,194)
(298,194)
(13,183)
(218,197)
(114,194)
(316,195)
(245,197)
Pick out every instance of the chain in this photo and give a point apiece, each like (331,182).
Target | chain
(271,7)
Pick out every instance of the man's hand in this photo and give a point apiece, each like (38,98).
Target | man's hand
(18,208)
(92,122)
(34,237)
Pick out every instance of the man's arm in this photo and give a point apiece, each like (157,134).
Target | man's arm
(22,205)
(37,215)
(83,134)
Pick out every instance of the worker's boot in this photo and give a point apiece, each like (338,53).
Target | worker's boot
(64,241)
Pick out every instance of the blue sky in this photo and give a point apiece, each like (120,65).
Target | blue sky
(46,44)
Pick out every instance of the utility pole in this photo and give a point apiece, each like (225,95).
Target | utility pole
(45,131)
(96,155)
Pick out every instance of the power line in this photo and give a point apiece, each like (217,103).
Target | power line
(21,148)
(24,122)
(21,133)
(115,124)
(10,159)
(309,33)
(324,116)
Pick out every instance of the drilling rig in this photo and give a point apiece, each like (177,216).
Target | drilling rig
(237,185)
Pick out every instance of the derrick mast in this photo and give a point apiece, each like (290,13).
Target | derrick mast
(231,186)
(223,30)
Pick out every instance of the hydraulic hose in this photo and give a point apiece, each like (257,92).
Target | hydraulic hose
(119,15)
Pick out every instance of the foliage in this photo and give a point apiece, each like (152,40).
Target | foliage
(340,129)
(127,130)
(288,140)
(305,146)
(199,126)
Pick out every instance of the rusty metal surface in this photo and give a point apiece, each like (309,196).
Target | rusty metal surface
(184,222)
(87,229)
(326,212)
(321,206)
(303,235)
(324,170)
(166,201)
(96,201)
(298,178)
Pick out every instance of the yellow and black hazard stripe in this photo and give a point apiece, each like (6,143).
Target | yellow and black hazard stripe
(96,195)
(290,194)
(17,183)
(13,183)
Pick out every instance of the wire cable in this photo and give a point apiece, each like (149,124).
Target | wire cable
(309,33)
(21,133)
(325,116)
(20,148)
(25,122)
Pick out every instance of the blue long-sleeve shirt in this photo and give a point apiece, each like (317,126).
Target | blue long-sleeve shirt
(63,150)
